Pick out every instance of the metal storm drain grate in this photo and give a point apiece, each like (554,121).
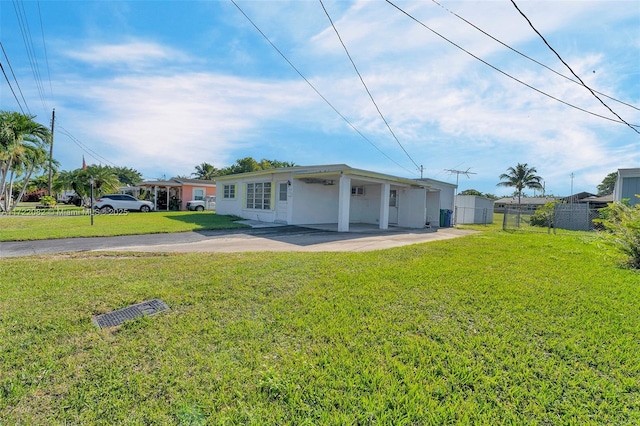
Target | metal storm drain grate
(111,319)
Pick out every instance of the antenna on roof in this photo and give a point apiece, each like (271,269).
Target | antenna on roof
(460,172)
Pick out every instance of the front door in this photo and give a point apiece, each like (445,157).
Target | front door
(282,202)
(393,206)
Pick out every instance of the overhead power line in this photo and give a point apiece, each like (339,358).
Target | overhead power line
(44,46)
(570,69)
(366,88)
(16,80)
(90,152)
(314,88)
(528,57)
(503,72)
(11,87)
(25,31)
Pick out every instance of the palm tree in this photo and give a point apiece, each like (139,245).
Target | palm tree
(23,150)
(520,177)
(206,171)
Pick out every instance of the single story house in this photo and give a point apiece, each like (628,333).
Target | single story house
(173,194)
(330,194)
(473,209)
(526,203)
(627,186)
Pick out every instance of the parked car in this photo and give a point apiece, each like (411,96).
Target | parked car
(197,205)
(209,203)
(115,202)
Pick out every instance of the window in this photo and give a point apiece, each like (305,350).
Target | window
(393,198)
(357,190)
(259,195)
(229,191)
(282,196)
(198,194)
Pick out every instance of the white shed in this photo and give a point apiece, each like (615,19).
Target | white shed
(472,209)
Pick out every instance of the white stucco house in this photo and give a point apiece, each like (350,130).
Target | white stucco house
(627,186)
(332,194)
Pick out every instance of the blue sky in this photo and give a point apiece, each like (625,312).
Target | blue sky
(162,86)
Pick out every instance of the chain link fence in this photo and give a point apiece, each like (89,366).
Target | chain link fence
(558,218)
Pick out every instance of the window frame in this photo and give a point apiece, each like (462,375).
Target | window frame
(229,191)
(258,195)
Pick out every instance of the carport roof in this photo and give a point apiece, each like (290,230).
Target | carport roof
(331,171)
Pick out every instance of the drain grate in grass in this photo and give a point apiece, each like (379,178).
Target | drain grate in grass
(111,319)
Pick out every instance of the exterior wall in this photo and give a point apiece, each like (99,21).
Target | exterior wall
(433,208)
(313,204)
(366,208)
(411,213)
(627,186)
(447,192)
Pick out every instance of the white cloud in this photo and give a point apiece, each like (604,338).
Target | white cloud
(133,53)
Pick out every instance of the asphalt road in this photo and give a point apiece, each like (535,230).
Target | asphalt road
(282,238)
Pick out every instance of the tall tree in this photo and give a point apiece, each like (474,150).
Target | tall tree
(206,171)
(249,164)
(127,176)
(608,184)
(105,181)
(520,177)
(23,150)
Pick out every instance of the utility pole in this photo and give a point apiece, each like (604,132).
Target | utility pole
(421,170)
(571,195)
(53,122)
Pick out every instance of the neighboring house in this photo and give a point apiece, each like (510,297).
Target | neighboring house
(473,209)
(329,194)
(596,202)
(580,197)
(526,203)
(627,186)
(173,194)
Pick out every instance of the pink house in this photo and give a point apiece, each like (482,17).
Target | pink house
(173,194)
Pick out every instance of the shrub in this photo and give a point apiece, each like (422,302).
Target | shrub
(622,230)
(543,216)
(48,200)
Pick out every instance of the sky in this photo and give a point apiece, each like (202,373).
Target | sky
(406,88)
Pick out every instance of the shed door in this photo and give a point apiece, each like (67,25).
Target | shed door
(393,206)
(282,202)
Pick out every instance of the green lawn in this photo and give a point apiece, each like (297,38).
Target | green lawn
(493,328)
(21,228)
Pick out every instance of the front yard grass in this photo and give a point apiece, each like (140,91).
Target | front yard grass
(23,228)
(493,328)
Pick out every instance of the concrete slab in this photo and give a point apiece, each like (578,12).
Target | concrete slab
(304,241)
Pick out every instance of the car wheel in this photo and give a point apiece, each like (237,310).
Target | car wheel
(145,209)
(106,210)
(199,208)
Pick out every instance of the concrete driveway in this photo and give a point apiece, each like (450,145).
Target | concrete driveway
(261,237)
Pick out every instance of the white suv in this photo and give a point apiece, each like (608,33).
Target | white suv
(116,202)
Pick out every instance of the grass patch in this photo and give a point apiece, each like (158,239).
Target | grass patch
(494,328)
(22,228)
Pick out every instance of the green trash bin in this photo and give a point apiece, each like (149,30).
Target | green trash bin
(443,218)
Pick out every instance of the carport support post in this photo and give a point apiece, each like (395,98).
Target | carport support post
(344,200)
(384,206)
